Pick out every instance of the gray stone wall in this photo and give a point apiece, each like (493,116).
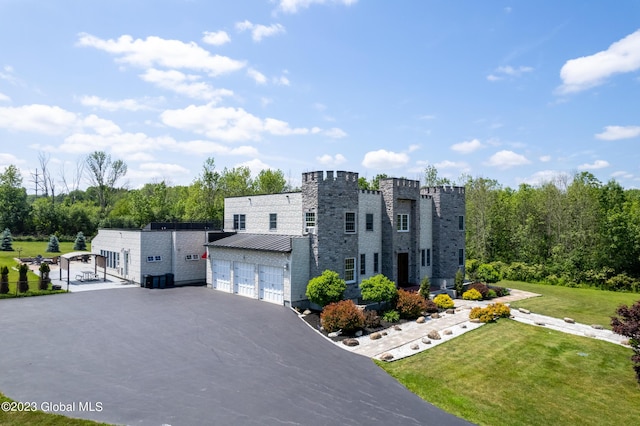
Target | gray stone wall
(331,196)
(448,239)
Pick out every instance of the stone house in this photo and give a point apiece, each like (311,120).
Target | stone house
(280,241)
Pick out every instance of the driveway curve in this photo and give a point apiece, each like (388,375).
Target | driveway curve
(191,356)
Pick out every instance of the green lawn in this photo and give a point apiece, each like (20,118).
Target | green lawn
(39,418)
(585,305)
(28,249)
(508,373)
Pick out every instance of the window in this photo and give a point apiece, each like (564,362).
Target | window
(112,258)
(376,268)
(239,221)
(192,257)
(402,223)
(363,268)
(461,223)
(460,257)
(350,269)
(428,257)
(423,257)
(154,258)
(273,221)
(350,222)
(369,222)
(310,219)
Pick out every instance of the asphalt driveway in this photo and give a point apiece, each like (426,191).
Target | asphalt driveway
(191,356)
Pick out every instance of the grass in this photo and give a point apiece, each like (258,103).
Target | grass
(516,374)
(28,249)
(585,305)
(39,418)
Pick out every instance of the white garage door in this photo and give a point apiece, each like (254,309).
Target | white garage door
(222,275)
(271,284)
(244,279)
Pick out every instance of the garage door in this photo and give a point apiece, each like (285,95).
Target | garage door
(271,284)
(244,279)
(222,275)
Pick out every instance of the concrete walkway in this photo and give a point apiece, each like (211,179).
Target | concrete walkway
(410,338)
(75,285)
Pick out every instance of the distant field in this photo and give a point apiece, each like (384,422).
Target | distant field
(585,305)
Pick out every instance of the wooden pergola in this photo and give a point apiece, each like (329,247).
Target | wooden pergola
(98,260)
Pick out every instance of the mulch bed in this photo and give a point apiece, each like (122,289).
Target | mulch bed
(313,319)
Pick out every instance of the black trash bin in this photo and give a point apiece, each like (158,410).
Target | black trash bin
(156,281)
(162,281)
(170,278)
(147,282)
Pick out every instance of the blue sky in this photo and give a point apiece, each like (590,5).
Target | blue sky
(516,91)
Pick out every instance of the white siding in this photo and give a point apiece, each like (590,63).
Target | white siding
(257,209)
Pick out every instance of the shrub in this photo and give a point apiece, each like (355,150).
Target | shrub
(490,313)
(500,291)
(378,289)
(443,301)
(326,288)
(23,283)
(44,276)
(481,288)
(627,323)
(7,240)
(491,294)
(343,315)
(471,266)
(488,273)
(371,319)
(430,306)
(54,245)
(472,294)
(410,305)
(391,316)
(425,287)
(80,242)
(4,280)
(620,282)
(458,282)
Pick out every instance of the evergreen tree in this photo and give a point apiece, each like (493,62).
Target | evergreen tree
(4,280)
(54,245)
(7,241)
(23,280)
(44,276)
(80,243)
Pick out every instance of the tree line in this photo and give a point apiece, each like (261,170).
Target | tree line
(107,202)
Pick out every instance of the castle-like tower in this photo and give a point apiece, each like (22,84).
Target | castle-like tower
(329,202)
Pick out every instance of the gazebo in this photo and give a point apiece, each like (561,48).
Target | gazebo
(98,260)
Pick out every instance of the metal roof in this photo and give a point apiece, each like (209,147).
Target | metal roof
(264,242)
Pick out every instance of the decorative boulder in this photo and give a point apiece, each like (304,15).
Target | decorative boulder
(435,315)
(415,347)
(540,323)
(597,326)
(450,311)
(426,341)
(386,356)
(375,336)
(358,333)
(420,320)
(397,328)
(569,320)
(351,342)
(524,311)
(306,312)
(434,335)
(463,326)
(448,332)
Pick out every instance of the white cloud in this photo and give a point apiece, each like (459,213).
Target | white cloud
(467,147)
(589,71)
(257,76)
(413,147)
(164,168)
(156,51)
(506,159)
(383,159)
(335,133)
(4,98)
(508,71)
(545,158)
(598,164)
(124,104)
(184,84)
(256,166)
(226,123)
(258,31)
(7,159)
(612,133)
(544,176)
(293,6)
(446,164)
(329,160)
(100,125)
(216,38)
(622,174)
(45,119)
(281,81)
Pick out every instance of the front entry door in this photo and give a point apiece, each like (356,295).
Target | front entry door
(403,269)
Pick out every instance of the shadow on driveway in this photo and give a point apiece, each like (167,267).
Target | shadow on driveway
(189,356)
